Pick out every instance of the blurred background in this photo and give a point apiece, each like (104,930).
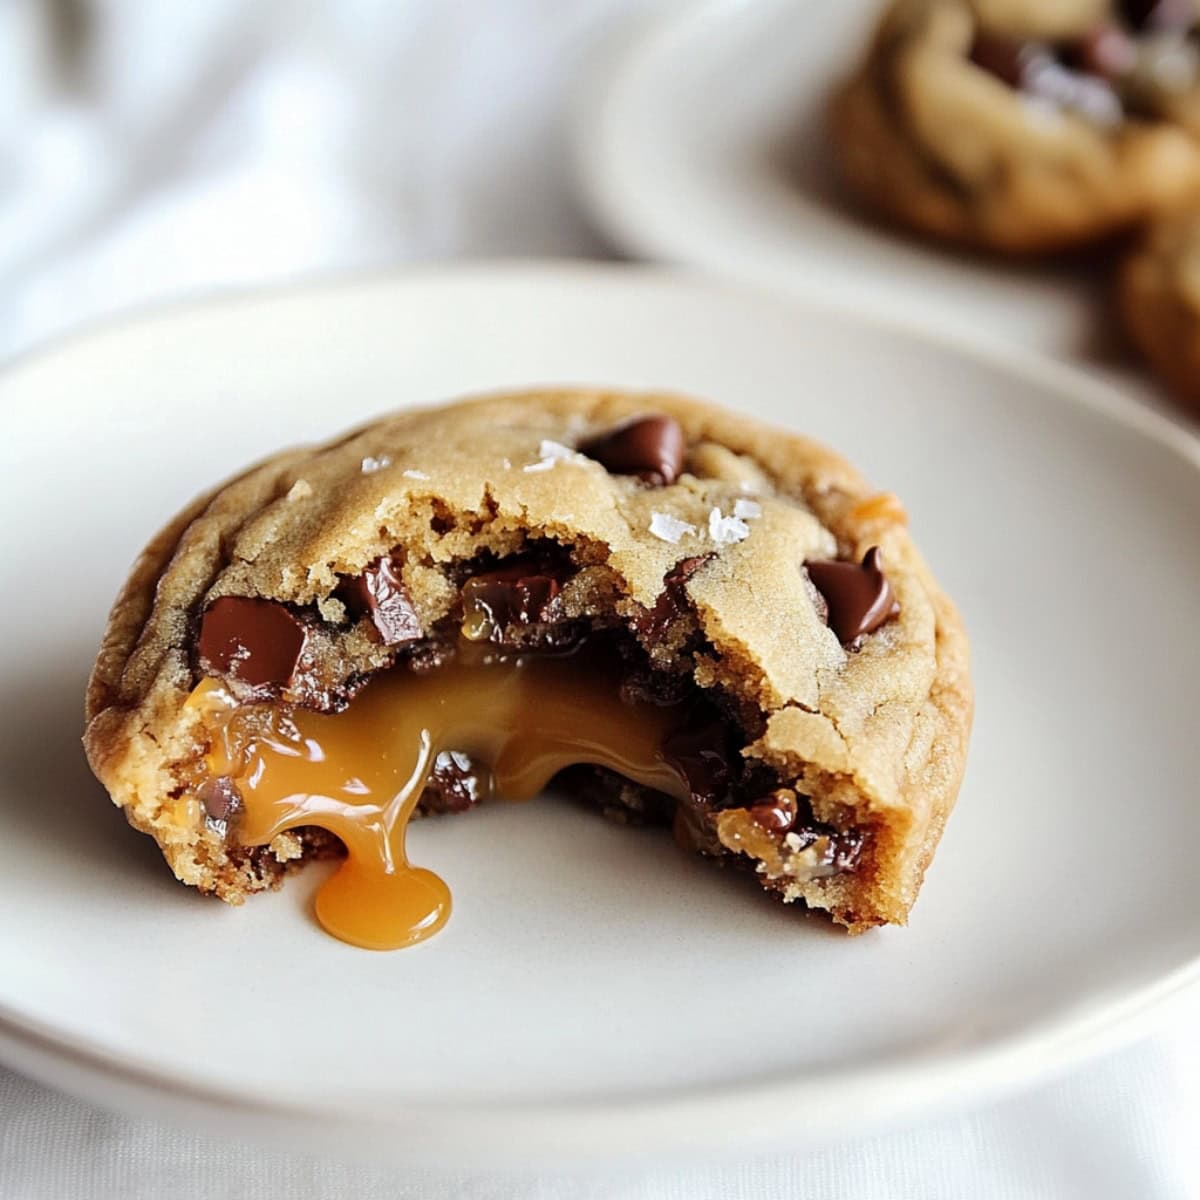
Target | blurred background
(149,150)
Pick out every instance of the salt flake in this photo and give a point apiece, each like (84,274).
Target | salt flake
(669,528)
(726,530)
(411,474)
(371,465)
(747,509)
(549,453)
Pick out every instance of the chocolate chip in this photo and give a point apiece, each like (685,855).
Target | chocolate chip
(643,684)
(859,597)
(255,642)
(454,785)
(648,447)
(511,596)
(220,797)
(702,754)
(843,849)
(672,600)
(380,594)
(694,831)
(777,812)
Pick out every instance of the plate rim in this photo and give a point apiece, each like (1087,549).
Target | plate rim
(923,1082)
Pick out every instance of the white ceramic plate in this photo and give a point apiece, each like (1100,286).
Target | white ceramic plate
(701,141)
(596,992)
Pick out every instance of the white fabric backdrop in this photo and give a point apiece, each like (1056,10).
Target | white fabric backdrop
(174,147)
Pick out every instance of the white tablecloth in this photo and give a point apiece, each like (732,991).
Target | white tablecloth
(152,150)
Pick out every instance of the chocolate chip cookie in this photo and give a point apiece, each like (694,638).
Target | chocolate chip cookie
(1025,126)
(673,612)
(1159,299)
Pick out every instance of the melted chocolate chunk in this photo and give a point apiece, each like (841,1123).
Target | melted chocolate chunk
(454,785)
(775,813)
(693,830)
(254,642)
(649,685)
(380,594)
(672,600)
(786,815)
(517,605)
(843,849)
(649,447)
(859,597)
(220,797)
(702,754)
(524,600)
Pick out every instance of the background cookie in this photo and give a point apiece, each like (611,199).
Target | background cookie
(1023,127)
(1159,297)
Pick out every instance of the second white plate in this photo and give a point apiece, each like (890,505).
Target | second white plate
(702,142)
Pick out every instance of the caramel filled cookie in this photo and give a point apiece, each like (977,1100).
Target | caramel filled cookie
(1023,126)
(1159,298)
(677,614)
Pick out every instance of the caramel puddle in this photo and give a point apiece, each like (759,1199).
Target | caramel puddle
(359,774)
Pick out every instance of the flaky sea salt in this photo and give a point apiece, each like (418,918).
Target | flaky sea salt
(725,531)
(411,474)
(370,465)
(669,528)
(747,510)
(548,454)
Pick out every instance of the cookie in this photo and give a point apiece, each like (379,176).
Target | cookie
(677,614)
(1024,127)
(1159,298)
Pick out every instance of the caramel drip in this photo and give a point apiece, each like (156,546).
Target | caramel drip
(359,774)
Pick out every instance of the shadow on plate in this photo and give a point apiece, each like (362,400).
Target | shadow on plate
(48,788)
(720,891)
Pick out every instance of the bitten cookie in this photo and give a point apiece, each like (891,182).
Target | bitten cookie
(679,614)
(1159,299)
(1025,126)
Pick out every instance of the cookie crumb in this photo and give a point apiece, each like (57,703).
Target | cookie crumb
(300,490)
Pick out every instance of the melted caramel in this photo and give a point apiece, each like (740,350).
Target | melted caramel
(359,774)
